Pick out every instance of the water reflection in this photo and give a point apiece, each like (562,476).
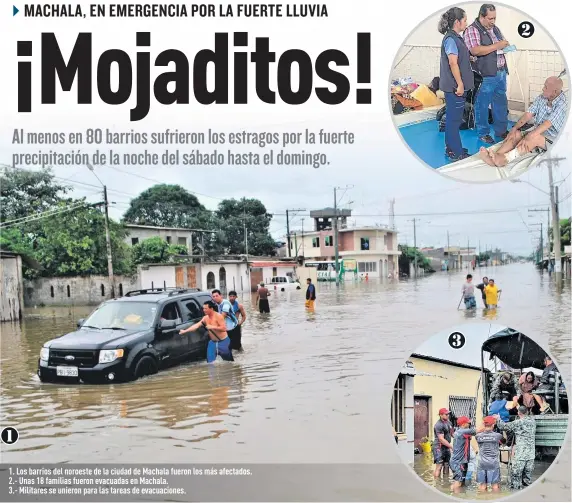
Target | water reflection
(423,466)
(307,388)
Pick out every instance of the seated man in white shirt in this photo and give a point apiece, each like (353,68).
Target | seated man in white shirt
(549,113)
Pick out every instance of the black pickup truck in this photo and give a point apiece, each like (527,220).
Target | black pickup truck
(127,338)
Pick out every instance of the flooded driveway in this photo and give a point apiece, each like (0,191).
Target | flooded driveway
(310,387)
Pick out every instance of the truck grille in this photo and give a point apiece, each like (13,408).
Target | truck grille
(82,359)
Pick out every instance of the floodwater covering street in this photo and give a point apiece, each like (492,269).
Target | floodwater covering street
(424,467)
(310,387)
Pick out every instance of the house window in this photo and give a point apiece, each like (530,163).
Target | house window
(182,241)
(398,405)
(462,406)
(329,241)
(315,242)
(385,239)
(134,241)
(274,271)
(367,266)
(102,290)
(52,292)
(291,244)
(121,289)
(364,244)
(69,291)
(168,239)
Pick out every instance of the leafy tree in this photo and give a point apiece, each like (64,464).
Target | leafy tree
(408,254)
(231,217)
(69,244)
(75,244)
(483,257)
(26,193)
(156,250)
(167,206)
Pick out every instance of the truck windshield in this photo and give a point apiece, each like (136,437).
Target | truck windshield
(122,315)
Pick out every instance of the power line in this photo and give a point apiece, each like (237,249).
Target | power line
(160,182)
(46,214)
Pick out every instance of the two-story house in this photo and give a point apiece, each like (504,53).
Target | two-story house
(373,248)
(173,235)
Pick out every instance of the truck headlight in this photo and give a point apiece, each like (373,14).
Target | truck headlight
(45,354)
(110,355)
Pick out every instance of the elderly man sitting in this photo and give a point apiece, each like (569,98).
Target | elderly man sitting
(549,113)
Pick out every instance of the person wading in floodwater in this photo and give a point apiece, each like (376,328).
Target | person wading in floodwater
(214,322)
(492,292)
(442,446)
(262,299)
(469,293)
(240,313)
(481,287)
(310,294)
(225,309)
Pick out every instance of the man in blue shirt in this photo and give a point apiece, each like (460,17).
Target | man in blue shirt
(310,294)
(225,308)
(549,111)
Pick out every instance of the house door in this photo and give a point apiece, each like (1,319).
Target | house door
(191,277)
(420,419)
(222,279)
(179,277)
(255,278)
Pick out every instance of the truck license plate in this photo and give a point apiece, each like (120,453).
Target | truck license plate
(67,371)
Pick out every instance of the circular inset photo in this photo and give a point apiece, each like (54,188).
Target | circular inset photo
(480,411)
(480,92)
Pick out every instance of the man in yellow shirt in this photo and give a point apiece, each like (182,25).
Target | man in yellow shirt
(492,294)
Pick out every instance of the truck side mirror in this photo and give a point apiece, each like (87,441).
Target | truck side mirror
(80,322)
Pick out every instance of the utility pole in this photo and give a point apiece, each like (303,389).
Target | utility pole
(107,235)
(288,229)
(541,244)
(335,225)
(547,211)
(335,229)
(448,252)
(415,245)
(288,234)
(468,255)
(245,241)
(108,244)
(555,224)
(303,238)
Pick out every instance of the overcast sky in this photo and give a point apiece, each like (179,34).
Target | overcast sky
(378,165)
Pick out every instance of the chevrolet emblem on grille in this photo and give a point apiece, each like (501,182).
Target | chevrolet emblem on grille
(70,357)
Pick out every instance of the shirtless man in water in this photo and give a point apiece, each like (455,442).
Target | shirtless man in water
(549,113)
(219,343)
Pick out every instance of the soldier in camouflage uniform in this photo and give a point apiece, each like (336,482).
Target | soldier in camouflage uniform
(506,382)
(522,464)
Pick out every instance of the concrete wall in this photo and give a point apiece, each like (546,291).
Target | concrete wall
(536,58)
(406,443)
(156,276)
(82,291)
(12,288)
(160,275)
(449,381)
